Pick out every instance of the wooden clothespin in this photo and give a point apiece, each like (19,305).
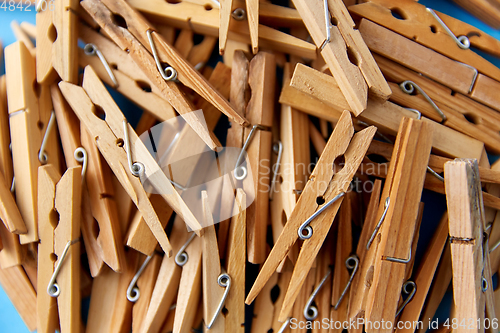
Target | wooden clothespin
(394,252)
(259,111)
(57,38)
(227,10)
(366,254)
(235,266)
(106,134)
(469,248)
(59,215)
(308,221)
(23,117)
(146,284)
(425,26)
(116,69)
(338,44)
(110,288)
(441,104)
(197,17)
(139,38)
(425,274)
(291,171)
(98,180)
(326,102)
(167,283)
(457,76)
(213,295)
(344,262)
(22,36)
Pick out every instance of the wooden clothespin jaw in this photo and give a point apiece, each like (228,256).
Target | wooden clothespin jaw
(338,44)
(472,274)
(56,40)
(59,209)
(228,11)
(121,147)
(149,50)
(317,206)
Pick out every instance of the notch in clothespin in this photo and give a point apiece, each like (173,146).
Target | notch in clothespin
(59,215)
(398,219)
(56,40)
(125,153)
(469,244)
(139,39)
(317,206)
(228,11)
(338,45)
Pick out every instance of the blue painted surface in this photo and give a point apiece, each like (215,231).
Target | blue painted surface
(10,322)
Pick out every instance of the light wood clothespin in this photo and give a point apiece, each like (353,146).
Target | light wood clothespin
(228,11)
(106,134)
(56,41)
(110,288)
(23,117)
(166,286)
(326,102)
(422,25)
(139,38)
(118,70)
(324,188)
(366,254)
(59,215)
(398,211)
(22,36)
(338,44)
(104,208)
(472,291)
(459,77)
(425,274)
(434,100)
(235,265)
(195,16)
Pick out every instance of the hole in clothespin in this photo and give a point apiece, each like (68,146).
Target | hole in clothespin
(37,89)
(275,293)
(52,33)
(173,1)
(99,112)
(113,66)
(39,124)
(53,257)
(143,85)
(95,229)
(208,7)
(334,21)
(119,21)
(398,13)
(54,218)
(320,200)
(120,142)
(473,119)
(353,56)
(224,311)
(433,29)
(197,38)
(338,163)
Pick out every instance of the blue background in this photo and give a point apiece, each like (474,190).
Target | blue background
(10,321)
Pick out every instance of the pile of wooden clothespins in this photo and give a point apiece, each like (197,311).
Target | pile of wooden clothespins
(344,113)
